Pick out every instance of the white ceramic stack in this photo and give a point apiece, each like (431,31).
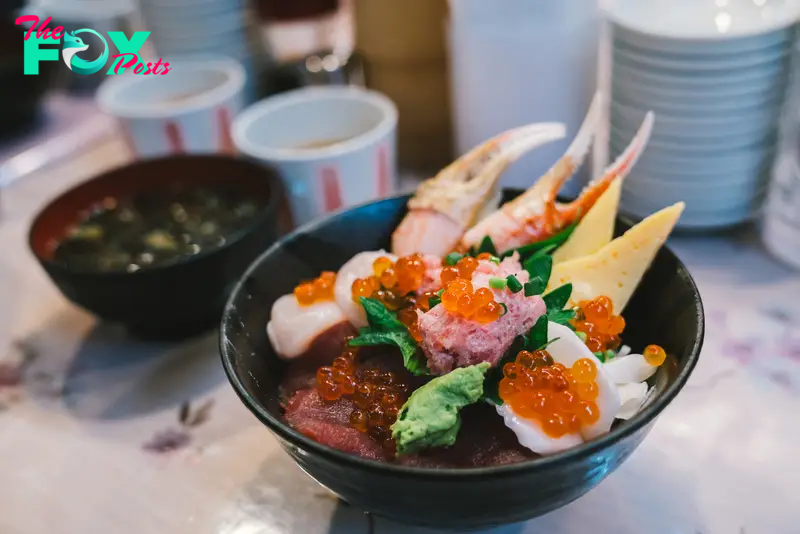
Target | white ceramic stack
(201,28)
(715,72)
(781,221)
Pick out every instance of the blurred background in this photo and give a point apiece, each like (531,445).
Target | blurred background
(458,73)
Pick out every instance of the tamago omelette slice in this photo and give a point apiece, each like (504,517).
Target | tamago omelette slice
(616,269)
(595,230)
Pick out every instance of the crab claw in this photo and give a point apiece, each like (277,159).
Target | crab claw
(446,205)
(535,215)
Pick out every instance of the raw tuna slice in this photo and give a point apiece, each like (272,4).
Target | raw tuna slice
(328,423)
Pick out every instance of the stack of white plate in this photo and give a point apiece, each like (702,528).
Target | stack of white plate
(715,72)
(198,28)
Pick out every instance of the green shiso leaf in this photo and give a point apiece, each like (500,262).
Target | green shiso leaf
(385,329)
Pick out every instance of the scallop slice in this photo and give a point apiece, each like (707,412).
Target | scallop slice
(530,435)
(632,397)
(629,369)
(566,348)
(359,266)
(293,328)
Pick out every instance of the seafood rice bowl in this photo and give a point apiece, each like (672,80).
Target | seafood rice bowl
(484,335)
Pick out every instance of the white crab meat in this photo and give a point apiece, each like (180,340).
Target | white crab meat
(293,328)
(359,266)
(566,348)
(629,369)
(632,397)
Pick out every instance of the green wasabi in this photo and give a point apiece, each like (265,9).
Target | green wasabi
(430,416)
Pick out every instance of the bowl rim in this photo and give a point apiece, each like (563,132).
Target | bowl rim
(554,461)
(235,77)
(269,210)
(261,111)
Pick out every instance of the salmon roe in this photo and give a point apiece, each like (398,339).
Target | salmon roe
(460,298)
(317,290)
(394,284)
(596,319)
(391,282)
(654,355)
(377,395)
(560,399)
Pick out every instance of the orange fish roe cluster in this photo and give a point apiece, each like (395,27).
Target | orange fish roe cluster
(654,355)
(340,378)
(559,399)
(378,398)
(377,395)
(391,282)
(316,290)
(460,299)
(596,319)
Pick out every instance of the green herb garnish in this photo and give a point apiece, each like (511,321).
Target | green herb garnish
(495,260)
(505,308)
(453,258)
(535,287)
(514,285)
(385,329)
(558,298)
(553,242)
(487,245)
(562,317)
(539,267)
(497,283)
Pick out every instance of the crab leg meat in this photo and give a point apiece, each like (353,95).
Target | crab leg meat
(446,205)
(536,215)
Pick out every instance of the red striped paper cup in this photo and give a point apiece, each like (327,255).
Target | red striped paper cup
(334,146)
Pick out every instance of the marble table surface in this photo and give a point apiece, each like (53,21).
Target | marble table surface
(99,433)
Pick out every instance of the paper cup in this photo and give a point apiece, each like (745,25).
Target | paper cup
(334,147)
(188,110)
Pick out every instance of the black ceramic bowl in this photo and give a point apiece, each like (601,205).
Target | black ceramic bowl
(172,300)
(666,309)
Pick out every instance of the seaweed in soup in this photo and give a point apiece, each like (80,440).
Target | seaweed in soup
(156,227)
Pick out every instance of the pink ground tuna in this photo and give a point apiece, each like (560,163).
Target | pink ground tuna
(450,341)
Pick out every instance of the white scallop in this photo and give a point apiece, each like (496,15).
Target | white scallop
(359,266)
(566,348)
(292,328)
(628,369)
(530,435)
(632,397)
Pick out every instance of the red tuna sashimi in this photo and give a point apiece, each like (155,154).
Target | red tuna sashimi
(451,341)
(328,423)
